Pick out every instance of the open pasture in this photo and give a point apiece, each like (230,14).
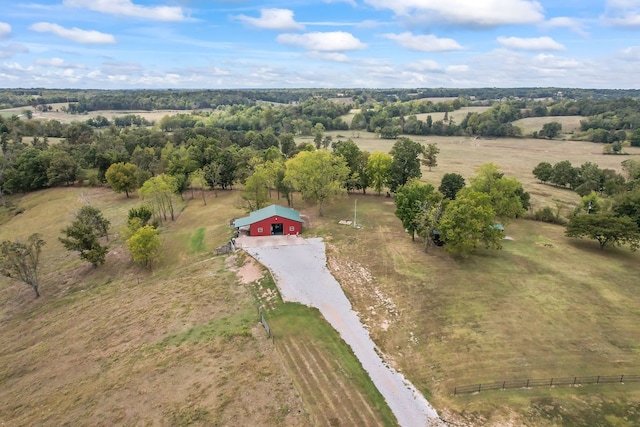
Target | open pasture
(544,306)
(570,124)
(516,157)
(62,117)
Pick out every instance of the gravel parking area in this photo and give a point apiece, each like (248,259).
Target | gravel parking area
(302,276)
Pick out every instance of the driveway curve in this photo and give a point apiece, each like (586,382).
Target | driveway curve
(302,276)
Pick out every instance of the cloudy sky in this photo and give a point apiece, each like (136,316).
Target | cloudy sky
(216,44)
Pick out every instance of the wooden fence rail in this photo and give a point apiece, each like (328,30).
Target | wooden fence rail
(551,382)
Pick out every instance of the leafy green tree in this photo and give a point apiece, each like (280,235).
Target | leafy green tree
(550,130)
(287,143)
(198,181)
(122,177)
(140,215)
(450,184)
(428,220)
(606,227)
(94,218)
(543,171)
(317,175)
(431,156)
(410,199)
(256,190)
(144,245)
(564,174)
(378,170)
(628,204)
(20,261)
(356,161)
(505,193)
(161,190)
(468,222)
(83,235)
(318,133)
(406,162)
(62,169)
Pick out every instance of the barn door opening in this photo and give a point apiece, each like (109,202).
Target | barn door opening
(277,229)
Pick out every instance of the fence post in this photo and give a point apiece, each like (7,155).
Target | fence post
(621,377)
(479,387)
(503,383)
(598,380)
(551,384)
(574,380)
(527,386)
(455,390)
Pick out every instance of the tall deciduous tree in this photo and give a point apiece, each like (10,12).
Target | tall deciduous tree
(468,223)
(144,245)
(83,235)
(161,190)
(317,175)
(606,227)
(450,184)
(198,181)
(543,171)
(406,162)
(431,152)
(378,170)
(256,190)
(410,200)
(21,261)
(505,193)
(122,177)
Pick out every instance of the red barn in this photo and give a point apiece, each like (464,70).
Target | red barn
(270,221)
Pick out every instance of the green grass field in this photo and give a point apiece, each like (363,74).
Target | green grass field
(570,124)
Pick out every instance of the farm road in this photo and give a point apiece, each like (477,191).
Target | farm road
(302,276)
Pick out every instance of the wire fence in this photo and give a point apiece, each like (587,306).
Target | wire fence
(552,382)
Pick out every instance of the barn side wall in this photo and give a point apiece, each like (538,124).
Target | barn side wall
(265,225)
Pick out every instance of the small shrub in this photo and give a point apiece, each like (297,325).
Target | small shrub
(546,214)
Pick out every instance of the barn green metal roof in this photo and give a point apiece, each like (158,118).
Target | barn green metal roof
(268,212)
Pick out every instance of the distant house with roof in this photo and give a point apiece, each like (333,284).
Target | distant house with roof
(270,221)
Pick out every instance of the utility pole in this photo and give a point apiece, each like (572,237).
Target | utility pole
(355,210)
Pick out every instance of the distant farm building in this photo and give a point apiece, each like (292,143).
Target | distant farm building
(270,221)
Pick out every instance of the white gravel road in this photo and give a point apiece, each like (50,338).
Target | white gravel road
(302,276)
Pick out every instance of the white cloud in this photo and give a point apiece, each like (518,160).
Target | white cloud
(426,65)
(630,54)
(573,24)
(622,13)
(536,43)
(349,2)
(74,34)
(543,61)
(427,43)
(57,63)
(457,68)
(336,41)
(128,8)
(273,19)
(329,56)
(483,13)
(5,29)
(9,50)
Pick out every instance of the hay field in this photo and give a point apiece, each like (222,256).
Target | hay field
(570,124)
(457,115)
(56,114)
(515,157)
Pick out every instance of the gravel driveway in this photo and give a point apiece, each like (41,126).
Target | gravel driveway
(302,276)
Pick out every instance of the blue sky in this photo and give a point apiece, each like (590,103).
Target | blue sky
(215,44)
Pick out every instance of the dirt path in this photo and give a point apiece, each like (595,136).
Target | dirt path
(301,274)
